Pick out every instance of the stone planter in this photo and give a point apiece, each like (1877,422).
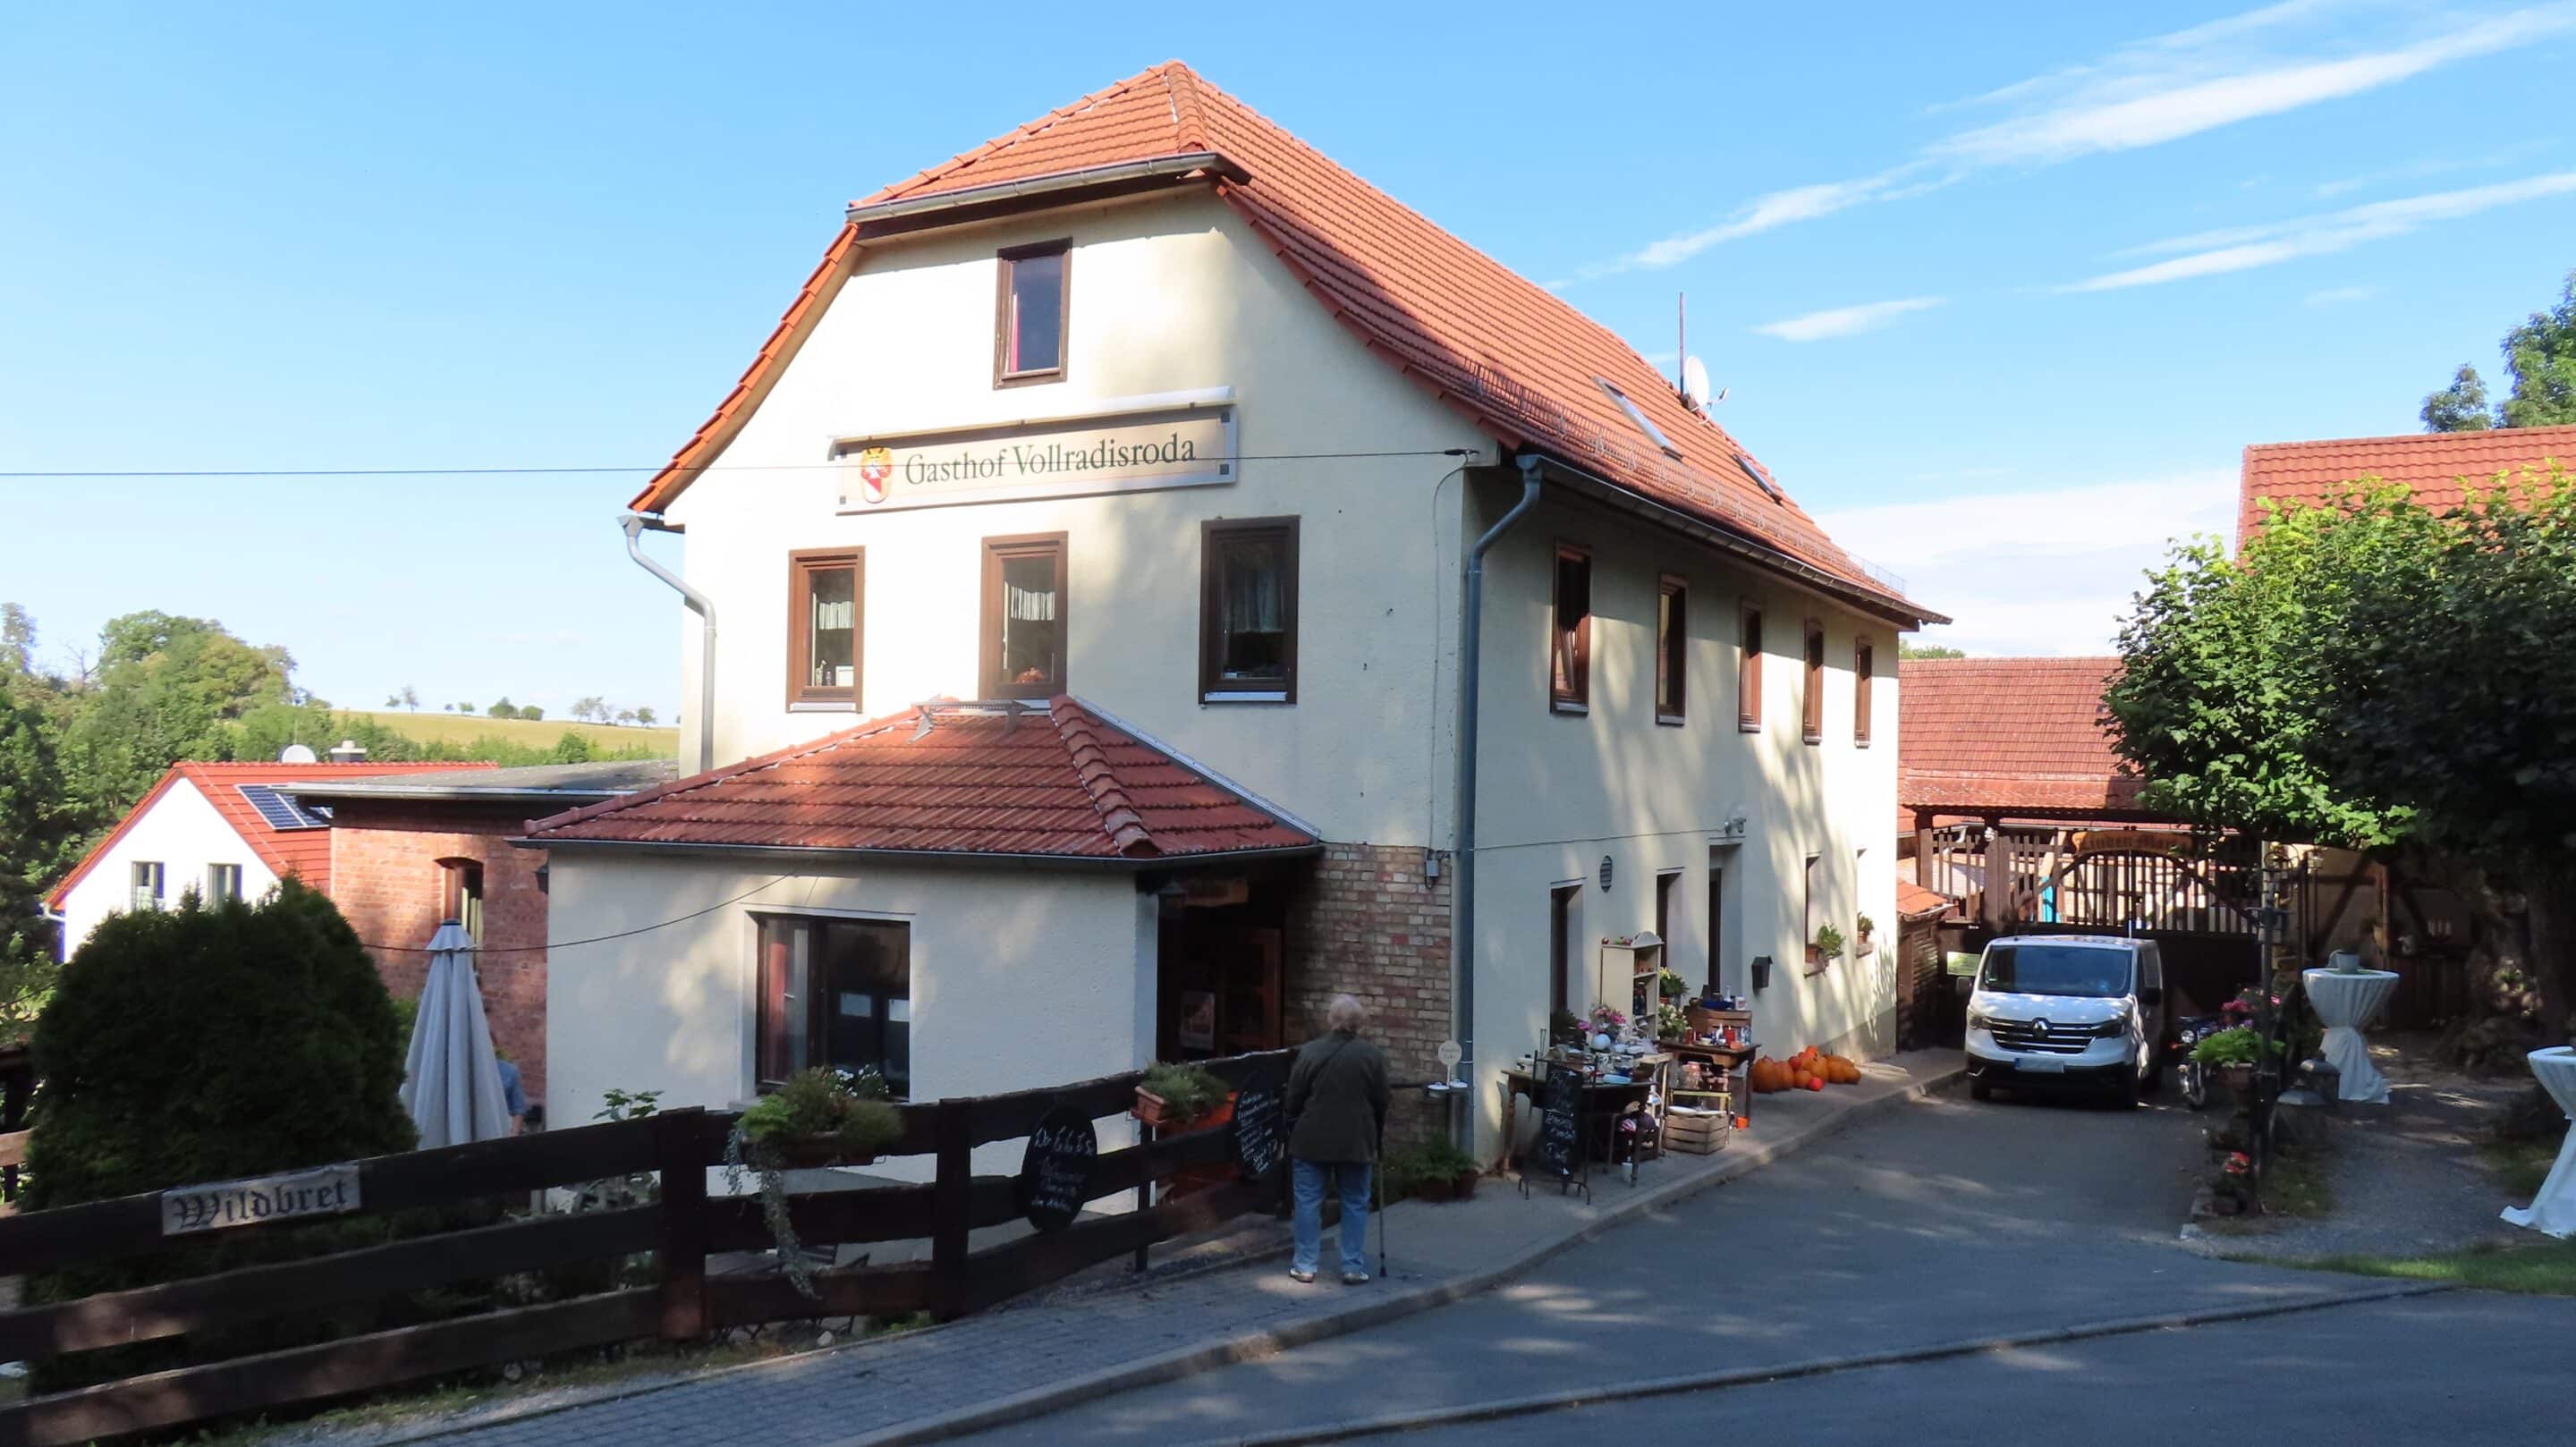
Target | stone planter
(810,1152)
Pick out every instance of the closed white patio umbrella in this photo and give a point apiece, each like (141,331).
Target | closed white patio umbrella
(452,1080)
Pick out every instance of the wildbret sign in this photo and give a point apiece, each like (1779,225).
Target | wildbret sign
(321,1191)
(1188,445)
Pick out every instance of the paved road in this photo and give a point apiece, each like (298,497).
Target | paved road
(1942,1221)
(2457,1367)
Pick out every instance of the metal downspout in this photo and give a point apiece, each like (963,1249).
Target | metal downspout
(700,604)
(1462,951)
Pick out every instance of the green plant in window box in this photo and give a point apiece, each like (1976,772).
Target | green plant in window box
(817,1117)
(1829,943)
(1173,1095)
(1865,928)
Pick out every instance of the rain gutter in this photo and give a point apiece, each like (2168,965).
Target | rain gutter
(700,604)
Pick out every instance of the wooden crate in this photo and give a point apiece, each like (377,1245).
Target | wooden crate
(1698,1135)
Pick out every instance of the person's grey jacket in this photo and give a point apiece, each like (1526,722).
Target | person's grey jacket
(1337,1098)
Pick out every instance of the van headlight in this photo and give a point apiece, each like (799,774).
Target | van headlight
(2112,1029)
(1982,1022)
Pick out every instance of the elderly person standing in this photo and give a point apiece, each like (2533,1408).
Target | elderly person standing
(1337,1098)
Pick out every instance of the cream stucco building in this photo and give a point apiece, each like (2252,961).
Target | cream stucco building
(1147,430)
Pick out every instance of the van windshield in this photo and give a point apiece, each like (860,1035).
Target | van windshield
(2084,971)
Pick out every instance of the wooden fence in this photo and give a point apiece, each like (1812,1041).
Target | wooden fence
(679,1230)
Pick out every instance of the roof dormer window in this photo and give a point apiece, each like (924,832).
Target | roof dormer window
(1637,415)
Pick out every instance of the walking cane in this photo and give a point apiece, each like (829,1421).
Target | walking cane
(1379,1175)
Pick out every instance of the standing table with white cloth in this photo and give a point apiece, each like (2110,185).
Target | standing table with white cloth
(2345,1000)
(2553,1211)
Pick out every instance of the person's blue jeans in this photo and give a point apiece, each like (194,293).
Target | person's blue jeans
(1308,1183)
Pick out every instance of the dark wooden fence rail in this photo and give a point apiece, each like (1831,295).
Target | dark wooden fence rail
(680,1230)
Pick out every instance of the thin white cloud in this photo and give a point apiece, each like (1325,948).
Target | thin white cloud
(2151,108)
(2341,295)
(2147,93)
(2068,563)
(2243,248)
(1845,321)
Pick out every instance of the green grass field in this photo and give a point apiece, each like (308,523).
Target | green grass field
(432,727)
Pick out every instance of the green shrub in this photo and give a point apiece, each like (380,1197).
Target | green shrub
(1188,1090)
(205,1043)
(1408,1168)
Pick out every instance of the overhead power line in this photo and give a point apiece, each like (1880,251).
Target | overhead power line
(594,939)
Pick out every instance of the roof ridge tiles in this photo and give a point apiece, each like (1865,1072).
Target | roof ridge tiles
(1118,817)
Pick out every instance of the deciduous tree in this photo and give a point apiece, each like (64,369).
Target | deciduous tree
(2540,357)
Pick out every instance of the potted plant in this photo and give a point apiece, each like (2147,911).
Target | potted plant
(1176,1095)
(1435,1170)
(2230,1056)
(1865,928)
(1607,1021)
(822,1117)
(1827,948)
(1564,1027)
(1669,985)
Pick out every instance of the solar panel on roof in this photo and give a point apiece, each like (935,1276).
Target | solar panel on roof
(1761,479)
(280,811)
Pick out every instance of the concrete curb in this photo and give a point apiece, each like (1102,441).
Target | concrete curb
(1270,1341)
(1812,1367)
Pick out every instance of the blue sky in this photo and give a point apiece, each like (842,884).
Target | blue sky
(2000,293)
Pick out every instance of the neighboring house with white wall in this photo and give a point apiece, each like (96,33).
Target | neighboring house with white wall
(223,831)
(1148,416)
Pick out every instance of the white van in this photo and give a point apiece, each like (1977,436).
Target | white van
(2058,1011)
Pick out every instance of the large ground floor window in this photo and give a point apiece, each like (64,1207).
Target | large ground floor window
(836,992)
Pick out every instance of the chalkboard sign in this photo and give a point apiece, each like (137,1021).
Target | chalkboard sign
(1055,1175)
(1560,1123)
(1260,1126)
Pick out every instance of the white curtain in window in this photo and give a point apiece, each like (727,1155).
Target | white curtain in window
(1256,598)
(1029,605)
(831,616)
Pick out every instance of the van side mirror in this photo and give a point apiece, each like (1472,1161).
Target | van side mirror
(2151,995)
(1965,985)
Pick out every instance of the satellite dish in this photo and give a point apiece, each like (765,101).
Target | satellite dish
(297,754)
(1694,382)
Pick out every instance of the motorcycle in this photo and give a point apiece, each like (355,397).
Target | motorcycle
(2190,1074)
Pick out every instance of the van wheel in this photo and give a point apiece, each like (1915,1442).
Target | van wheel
(2126,1098)
(1979,1090)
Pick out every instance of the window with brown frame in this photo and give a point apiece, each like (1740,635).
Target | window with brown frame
(1864,668)
(460,890)
(1031,313)
(1570,631)
(1811,708)
(825,593)
(1560,946)
(1748,672)
(1672,649)
(835,993)
(1248,610)
(1024,616)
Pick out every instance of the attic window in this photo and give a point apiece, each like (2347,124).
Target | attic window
(1760,478)
(1637,415)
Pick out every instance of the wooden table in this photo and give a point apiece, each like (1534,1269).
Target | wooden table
(1732,1061)
(1634,1092)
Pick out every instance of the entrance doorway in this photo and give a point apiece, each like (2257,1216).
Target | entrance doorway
(1221,982)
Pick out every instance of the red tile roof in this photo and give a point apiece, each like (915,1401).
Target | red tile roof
(1913,901)
(1063,782)
(1516,358)
(302,852)
(2431,464)
(2008,735)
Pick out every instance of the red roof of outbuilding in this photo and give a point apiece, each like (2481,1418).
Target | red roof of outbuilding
(1513,356)
(305,853)
(2432,465)
(1913,901)
(1061,781)
(2008,735)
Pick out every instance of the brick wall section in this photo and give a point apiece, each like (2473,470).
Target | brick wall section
(386,879)
(1367,923)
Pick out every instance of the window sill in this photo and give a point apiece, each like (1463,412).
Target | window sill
(1558,705)
(1247,696)
(1811,738)
(822,705)
(1670,720)
(1026,379)
(1746,726)
(1860,743)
